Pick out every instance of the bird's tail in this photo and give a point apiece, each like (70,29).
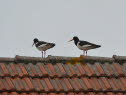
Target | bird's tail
(52,45)
(97,46)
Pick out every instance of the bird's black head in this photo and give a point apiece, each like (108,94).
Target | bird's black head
(75,38)
(35,41)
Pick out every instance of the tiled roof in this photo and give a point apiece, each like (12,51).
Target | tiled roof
(63,76)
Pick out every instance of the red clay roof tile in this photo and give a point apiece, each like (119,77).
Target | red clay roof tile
(57,71)
(109,69)
(81,70)
(87,83)
(2,86)
(66,89)
(100,69)
(34,71)
(29,83)
(94,82)
(43,70)
(4,69)
(94,76)
(52,69)
(67,81)
(113,84)
(10,84)
(59,84)
(76,80)
(49,85)
(61,68)
(77,71)
(87,69)
(106,83)
(74,85)
(110,93)
(24,71)
(12,66)
(123,80)
(118,69)
(46,89)
(38,84)
(71,68)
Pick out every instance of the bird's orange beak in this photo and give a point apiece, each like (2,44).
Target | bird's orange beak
(33,44)
(70,40)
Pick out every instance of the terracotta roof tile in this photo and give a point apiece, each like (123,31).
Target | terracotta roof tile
(81,70)
(119,85)
(74,85)
(109,70)
(22,67)
(73,72)
(2,86)
(100,69)
(88,70)
(69,93)
(37,85)
(42,68)
(111,81)
(83,85)
(68,83)
(61,68)
(49,85)
(52,69)
(87,83)
(123,80)
(4,69)
(10,83)
(59,76)
(95,84)
(106,83)
(66,89)
(57,70)
(46,89)
(33,69)
(118,69)
(76,80)
(59,84)
(26,88)
(13,68)
(77,71)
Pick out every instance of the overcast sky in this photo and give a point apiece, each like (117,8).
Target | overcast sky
(98,21)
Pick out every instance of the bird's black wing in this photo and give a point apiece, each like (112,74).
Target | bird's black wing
(88,44)
(40,43)
(81,43)
(45,44)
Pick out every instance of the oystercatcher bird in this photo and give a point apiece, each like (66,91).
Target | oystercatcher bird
(84,45)
(42,46)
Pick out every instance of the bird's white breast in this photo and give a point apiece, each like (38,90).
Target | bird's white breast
(83,47)
(43,47)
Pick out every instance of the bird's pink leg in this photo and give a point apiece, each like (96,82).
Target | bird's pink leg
(84,52)
(45,53)
(42,54)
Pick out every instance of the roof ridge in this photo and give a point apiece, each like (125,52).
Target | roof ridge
(6,59)
(55,59)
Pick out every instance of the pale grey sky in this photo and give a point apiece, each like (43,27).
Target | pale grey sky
(98,21)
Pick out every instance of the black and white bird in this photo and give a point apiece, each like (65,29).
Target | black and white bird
(42,46)
(84,45)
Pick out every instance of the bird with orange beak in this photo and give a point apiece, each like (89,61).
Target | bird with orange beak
(42,46)
(84,45)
